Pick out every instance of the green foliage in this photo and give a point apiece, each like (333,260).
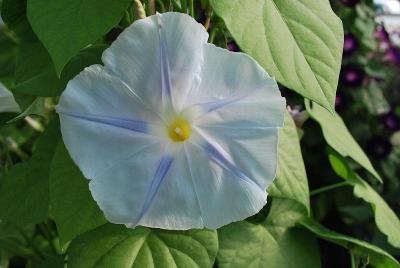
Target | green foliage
(36,107)
(338,136)
(7,55)
(272,242)
(72,206)
(35,74)
(25,190)
(58,22)
(117,246)
(13,13)
(11,242)
(372,254)
(374,99)
(51,262)
(291,179)
(385,218)
(299,42)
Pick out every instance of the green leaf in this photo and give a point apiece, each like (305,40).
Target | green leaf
(299,42)
(8,53)
(338,136)
(35,73)
(66,27)
(377,257)
(13,13)
(34,108)
(50,262)
(11,241)
(24,193)
(72,206)
(274,241)
(291,180)
(116,246)
(385,218)
(86,57)
(373,99)
(270,244)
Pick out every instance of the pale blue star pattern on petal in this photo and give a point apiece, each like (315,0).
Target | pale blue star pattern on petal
(173,132)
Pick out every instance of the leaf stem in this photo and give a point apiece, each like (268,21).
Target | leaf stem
(212,34)
(353,260)
(329,188)
(184,8)
(208,14)
(10,34)
(152,7)
(191,7)
(46,233)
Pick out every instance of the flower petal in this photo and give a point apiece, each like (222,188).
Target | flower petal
(125,190)
(159,194)
(102,121)
(136,55)
(198,192)
(175,206)
(242,114)
(234,88)
(252,150)
(223,195)
(7,101)
(113,122)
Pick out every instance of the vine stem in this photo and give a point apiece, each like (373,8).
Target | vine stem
(191,8)
(184,6)
(152,7)
(213,32)
(353,260)
(208,14)
(46,233)
(329,188)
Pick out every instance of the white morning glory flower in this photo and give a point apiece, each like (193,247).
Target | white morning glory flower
(173,132)
(7,101)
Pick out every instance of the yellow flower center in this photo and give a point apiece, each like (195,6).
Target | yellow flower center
(179,130)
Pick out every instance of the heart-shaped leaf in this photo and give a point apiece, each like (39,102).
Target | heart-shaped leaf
(116,246)
(299,42)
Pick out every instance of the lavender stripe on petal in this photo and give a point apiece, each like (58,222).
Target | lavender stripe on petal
(209,107)
(165,73)
(159,175)
(130,124)
(218,157)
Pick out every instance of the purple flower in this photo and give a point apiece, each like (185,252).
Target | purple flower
(340,100)
(393,55)
(299,115)
(381,34)
(349,3)
(391,121)
(350,44)
(379,147)
(383,38)
(232,46)
(352,75)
